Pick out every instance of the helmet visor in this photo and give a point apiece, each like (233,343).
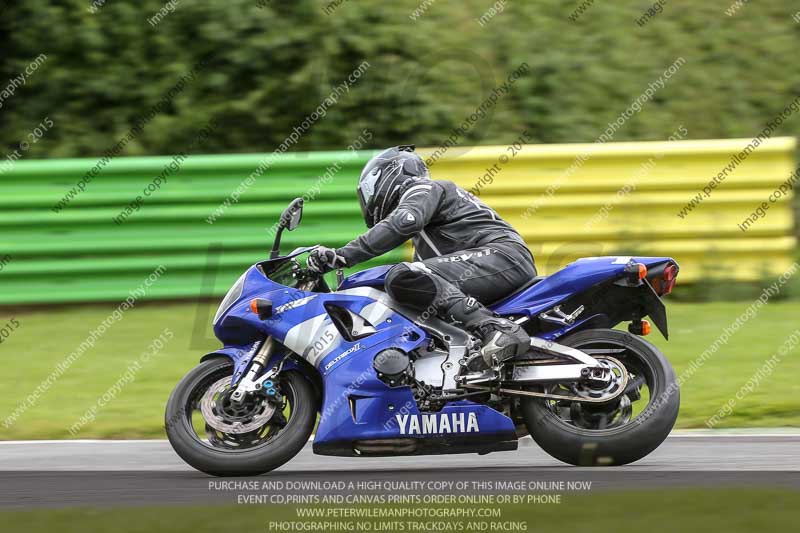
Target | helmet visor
(366,193)
(368,218)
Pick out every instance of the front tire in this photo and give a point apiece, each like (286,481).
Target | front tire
(221,454)
(571,433)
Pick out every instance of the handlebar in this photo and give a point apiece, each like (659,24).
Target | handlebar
(308,285)
(311,278)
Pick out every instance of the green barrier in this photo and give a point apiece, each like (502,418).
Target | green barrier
(209,217)
(79,253)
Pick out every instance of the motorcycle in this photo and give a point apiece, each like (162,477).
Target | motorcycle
(384,380)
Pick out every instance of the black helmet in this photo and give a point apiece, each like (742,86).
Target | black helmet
(383,179)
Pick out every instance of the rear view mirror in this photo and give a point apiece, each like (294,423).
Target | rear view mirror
(293,214)
(290,219)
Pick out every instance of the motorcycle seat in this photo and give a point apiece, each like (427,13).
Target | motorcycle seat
(523,288)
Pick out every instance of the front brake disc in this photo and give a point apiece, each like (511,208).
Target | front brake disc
(222,414)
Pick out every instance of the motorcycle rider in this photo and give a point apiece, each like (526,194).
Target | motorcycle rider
(466,256)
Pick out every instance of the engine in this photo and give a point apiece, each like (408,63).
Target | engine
(425,374)
(394,367)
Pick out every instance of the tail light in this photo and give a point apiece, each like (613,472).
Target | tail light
(664,284)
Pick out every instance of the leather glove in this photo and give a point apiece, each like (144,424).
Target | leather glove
(324,260)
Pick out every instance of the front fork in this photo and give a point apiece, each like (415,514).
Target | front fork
(252,381)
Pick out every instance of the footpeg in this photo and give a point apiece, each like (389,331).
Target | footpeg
(478,377)
(557,316)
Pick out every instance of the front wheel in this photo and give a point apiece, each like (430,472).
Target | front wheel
(223,438)
(615,433)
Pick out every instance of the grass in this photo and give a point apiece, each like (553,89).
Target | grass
(655,511)
(45,337)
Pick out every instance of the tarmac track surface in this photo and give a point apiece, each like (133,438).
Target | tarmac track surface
(80,473)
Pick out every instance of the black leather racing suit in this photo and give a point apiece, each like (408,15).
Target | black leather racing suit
(465,254)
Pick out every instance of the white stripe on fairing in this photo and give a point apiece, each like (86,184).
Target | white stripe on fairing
(375,313)
(331,345)
(429,243)
(374,294)
(294,304)
(297,339)
(302,337)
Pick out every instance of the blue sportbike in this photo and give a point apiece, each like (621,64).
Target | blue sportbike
(378,379)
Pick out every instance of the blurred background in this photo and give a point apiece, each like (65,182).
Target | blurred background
(270,63)
(149,147)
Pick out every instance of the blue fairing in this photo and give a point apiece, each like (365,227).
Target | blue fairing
(372,277)
(239,328)
(359,406)
(572,279)
(356,404)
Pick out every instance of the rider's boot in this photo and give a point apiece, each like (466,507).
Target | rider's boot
(501,338)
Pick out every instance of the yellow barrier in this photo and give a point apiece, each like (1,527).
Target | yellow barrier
(578,200)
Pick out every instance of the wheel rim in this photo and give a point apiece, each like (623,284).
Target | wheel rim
(215,422)
(626,409)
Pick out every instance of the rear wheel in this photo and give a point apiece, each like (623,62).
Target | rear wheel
(614,433)
(223,438)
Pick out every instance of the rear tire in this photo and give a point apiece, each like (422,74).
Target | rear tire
(618,445)
(201,455)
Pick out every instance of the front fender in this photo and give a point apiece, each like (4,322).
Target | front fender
(240,355)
